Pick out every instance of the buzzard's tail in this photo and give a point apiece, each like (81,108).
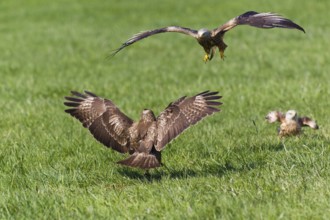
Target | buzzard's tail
(142,160)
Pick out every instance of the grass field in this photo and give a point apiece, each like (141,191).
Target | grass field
(226,167)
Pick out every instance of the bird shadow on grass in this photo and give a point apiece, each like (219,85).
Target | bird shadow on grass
(277,147)
(158,175)
(181,173)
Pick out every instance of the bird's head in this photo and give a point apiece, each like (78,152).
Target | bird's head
(147,115)
(204,33)
(291,115)
(271,117)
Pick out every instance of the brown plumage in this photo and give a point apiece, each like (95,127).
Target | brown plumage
(145,139)
(210,40)
(290,123)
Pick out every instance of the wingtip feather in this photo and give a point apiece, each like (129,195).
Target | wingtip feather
(78,94)
(90,93)
(72,104)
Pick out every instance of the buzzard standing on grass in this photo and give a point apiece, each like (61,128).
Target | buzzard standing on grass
(210,40)
(290,122)
(145,139)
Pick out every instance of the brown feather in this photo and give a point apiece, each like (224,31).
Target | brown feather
(183,113)
(103,119)
(142,160)
(145,34)
(259,20)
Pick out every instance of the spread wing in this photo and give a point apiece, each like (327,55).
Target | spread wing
(183,113)
(149,33)
(103,119)
(306,121)
(274,116)
(260,20)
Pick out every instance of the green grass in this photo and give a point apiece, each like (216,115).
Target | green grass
(225,167)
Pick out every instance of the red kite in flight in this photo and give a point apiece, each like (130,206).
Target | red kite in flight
(210,40)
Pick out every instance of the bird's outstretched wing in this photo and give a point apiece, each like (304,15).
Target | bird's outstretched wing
(103,119)
(306,121)
(183,113)
(145,34)
(260,20)
(274,116)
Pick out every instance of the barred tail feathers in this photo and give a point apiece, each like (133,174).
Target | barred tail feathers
(142,160)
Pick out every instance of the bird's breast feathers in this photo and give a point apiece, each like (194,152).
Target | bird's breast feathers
(291,127)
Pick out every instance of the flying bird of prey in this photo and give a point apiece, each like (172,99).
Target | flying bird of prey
(291,124)
(144,139)
(210,40)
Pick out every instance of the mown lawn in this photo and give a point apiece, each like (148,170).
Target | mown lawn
(230,166)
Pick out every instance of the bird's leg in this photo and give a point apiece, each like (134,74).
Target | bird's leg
(222,46)
(209,54)
(147,174)
(222,54)
(212,53)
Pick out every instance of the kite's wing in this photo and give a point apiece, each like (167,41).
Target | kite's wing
(149,33)
(260,20)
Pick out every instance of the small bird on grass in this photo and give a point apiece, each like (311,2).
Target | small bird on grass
(212,39)
(290,123)
(144,139)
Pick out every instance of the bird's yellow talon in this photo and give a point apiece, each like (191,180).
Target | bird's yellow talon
(206,58)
